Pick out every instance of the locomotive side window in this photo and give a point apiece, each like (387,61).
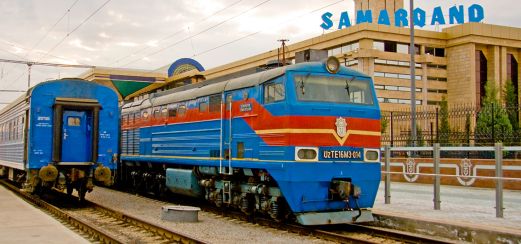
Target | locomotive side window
(146,115)
(203,107)
(181,110)
(164,112)
(215,103)
(156,113)
(274,92)
(333,89)
(172,110)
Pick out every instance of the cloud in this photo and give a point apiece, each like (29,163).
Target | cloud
(78,44)
(127,44)
(103,35)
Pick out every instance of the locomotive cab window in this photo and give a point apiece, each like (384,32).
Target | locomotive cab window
(274,92)
(333,89)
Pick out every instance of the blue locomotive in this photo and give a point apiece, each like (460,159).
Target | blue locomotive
(61,134)
(300,141)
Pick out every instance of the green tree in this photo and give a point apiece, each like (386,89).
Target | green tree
(384,123)
(420,142)
(512,105)
(444,126)
(492,122)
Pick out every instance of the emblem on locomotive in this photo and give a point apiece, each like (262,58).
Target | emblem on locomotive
(341,127)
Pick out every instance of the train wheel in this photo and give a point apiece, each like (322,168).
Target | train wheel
(70,188)
(82,191)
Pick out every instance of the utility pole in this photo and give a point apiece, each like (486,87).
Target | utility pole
(412,51)
(283,51)
(29,65)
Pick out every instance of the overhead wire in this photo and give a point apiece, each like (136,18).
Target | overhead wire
(197,34)
(52,27)
(260,31)
(177,32)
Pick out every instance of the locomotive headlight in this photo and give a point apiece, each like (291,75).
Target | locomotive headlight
(306,154)
(332,65)
(371,155)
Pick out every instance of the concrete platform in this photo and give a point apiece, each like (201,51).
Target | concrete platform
(23,223)
(463,209)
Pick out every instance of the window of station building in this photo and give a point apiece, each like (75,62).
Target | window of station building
(350,63)
(441,91)
(432,78)
(350,47)
(397,101)
(274,92)
(390,46)
(215,103)
(402,48)
(438,52)
(343,49)
(181,110)
(395,63)
(433,103)
(436,66)
(335,51)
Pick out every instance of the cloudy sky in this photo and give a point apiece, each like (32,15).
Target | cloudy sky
(151,34)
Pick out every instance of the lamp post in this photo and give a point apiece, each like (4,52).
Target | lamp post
(412,51)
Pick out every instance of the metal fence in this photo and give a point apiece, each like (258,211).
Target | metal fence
(461,125)
(498,150)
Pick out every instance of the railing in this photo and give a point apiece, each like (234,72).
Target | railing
(498,150)
(457,125)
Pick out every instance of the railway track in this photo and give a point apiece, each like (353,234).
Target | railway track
(347,233)
(102,224)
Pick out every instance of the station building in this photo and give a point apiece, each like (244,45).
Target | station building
(455,62)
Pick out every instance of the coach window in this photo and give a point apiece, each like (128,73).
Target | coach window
(73,121)
(146,115)
(181,110)
(274,92)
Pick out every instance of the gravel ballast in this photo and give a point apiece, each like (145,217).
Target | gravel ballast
(211,227)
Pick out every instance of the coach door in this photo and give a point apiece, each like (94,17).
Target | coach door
(76,136)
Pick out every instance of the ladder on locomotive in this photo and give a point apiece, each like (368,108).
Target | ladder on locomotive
(226,169)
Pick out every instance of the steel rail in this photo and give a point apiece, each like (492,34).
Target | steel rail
(95,231)
(346,233)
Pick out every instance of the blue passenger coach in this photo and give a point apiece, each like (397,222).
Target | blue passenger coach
(61,134)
